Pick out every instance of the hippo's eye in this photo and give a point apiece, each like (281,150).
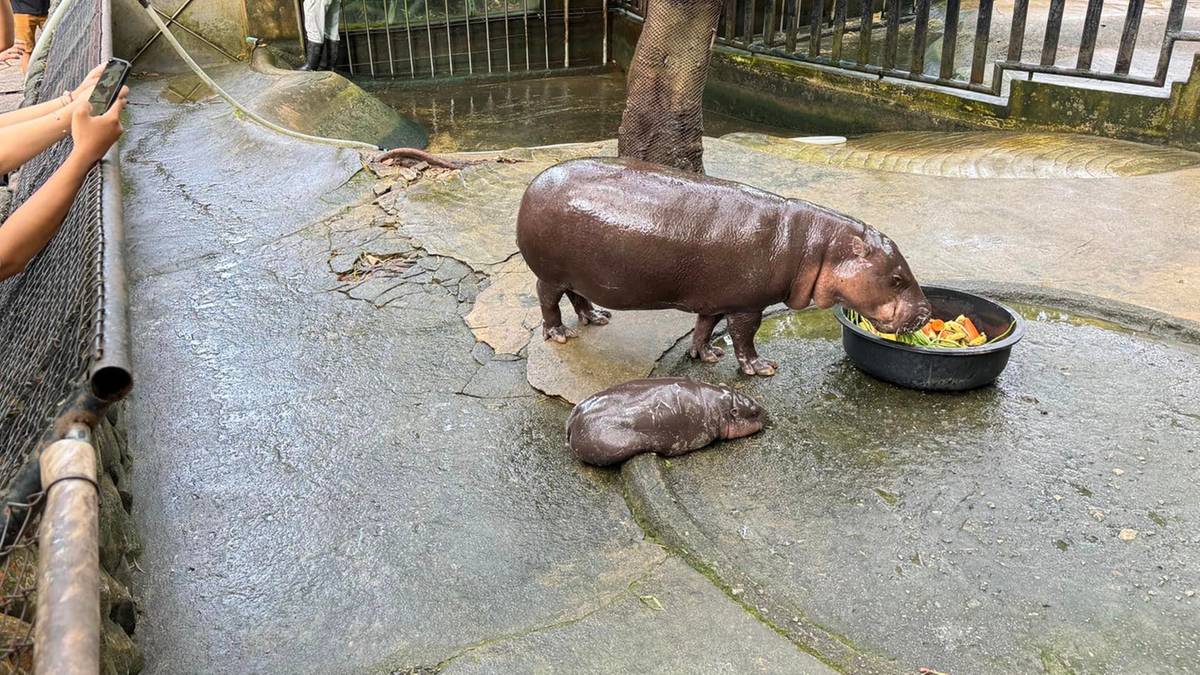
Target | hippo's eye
(897,280)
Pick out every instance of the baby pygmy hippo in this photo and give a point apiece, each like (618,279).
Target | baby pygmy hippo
(667,415)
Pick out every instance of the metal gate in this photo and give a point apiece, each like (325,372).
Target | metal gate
(457,38)
(924,40)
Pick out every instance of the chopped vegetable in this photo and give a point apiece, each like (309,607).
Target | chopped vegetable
(951,334)
(972,333)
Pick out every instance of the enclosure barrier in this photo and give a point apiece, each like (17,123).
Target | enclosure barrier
(67,630)
(63,362)
(440,38)
(866,36)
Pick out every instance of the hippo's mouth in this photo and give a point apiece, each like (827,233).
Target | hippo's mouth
(916,321)
(741,428)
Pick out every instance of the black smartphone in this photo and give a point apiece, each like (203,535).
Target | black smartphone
(109,86)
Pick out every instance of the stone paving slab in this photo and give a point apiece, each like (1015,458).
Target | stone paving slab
(1041,524)
(332,474)
(708,633)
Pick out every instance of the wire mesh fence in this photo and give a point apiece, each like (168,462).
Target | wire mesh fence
(49,327)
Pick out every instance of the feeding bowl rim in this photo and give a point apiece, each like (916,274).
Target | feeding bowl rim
(1018,330)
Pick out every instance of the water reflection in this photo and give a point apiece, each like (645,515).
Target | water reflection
(464,116)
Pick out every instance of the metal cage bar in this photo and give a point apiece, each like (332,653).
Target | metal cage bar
(1016,33)
(1053,28)
(769,23)
(1133,20)
(1091,26)
(791,20)
(730,21)
(949,40)
(387,35)
(892,37)
(920,33)
(864,32)
(839,29)
(816,17)
(1171,34)
(983,29)
(546,30)
(748,24)
(370,50)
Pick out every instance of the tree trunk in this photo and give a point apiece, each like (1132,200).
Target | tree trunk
(664,118)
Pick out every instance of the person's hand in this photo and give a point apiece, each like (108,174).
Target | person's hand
(84,90)
(95,135)
(13,53)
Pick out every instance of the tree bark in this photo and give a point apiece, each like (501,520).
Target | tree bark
(664,118)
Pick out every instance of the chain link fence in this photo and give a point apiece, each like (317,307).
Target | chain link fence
(52,323)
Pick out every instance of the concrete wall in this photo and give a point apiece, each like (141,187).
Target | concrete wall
(824,100)
(274,22)
(222,23)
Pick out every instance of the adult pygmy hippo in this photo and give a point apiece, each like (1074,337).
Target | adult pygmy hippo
(667,415)
(626,234)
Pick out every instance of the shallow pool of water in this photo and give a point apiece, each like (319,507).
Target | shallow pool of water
(464,116)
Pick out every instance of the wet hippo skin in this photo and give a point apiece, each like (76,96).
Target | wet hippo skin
(625,234)
(666,415)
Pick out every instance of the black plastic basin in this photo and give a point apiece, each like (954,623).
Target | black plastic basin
(936,369)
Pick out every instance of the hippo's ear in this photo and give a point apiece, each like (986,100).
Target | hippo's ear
(858,246)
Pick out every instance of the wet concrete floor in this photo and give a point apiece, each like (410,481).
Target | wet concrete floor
(1045,523)
(336,474)
(328,484)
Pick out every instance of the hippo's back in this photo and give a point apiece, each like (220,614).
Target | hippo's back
(632,235)
(665,414)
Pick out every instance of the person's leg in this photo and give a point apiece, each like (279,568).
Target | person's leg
(314,29)
(25,27)
(333,17)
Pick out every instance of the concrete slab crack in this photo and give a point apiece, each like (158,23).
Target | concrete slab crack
(602,605)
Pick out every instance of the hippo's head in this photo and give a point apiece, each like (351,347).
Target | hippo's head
(864,271)
(743,415)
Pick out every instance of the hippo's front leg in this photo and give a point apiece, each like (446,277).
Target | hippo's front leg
(742,328)
(702,347)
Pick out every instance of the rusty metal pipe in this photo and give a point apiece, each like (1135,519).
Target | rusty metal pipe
(66,637)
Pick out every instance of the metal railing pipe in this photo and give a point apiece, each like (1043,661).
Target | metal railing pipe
(67,633)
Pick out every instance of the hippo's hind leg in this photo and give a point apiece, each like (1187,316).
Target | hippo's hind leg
(702,347)
(742,328)
(552,325)
(586,311)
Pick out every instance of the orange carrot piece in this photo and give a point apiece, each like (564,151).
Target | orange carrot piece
(936,325)
(972,332)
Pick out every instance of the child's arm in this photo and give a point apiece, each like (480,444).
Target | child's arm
(21,142)
(30,228)
(82,92)
(7,31)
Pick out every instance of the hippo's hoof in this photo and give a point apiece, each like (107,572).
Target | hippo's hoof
(709,354)
(759,366)
(597,317)
(559,334)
